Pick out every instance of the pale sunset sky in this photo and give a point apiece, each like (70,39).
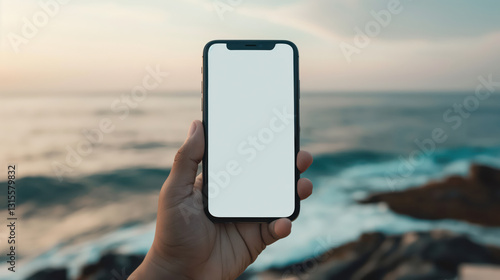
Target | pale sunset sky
(105,45)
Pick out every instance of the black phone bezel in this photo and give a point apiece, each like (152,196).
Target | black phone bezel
(250,45)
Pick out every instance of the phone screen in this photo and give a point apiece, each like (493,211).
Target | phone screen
(250,132)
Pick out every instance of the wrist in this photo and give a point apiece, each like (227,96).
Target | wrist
(154,267)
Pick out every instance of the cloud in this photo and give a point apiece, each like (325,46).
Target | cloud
(425,19)
(105,45)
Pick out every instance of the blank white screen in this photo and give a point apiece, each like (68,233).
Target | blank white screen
(251,153)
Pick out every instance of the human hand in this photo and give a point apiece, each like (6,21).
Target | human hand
(187,245)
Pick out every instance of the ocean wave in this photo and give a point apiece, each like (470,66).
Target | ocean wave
(329,218)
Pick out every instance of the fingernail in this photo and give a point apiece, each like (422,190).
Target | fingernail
(192,129)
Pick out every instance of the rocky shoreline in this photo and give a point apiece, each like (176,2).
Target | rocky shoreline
(475,199)
(111,266)
(414,255)
(410,256)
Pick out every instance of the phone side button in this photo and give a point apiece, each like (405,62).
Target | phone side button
(201,104)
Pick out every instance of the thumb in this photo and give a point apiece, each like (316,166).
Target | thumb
(188,157)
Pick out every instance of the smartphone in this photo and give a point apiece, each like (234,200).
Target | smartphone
(250,104)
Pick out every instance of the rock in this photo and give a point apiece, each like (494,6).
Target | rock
(50,274)
(416,255)
(488,176)
(475,199)
(111,266)
(479,272)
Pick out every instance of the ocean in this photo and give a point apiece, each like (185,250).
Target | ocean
(77,201)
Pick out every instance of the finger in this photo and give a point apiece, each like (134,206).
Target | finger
(304,160)
(198,183)
(304,188)
(275,230)
(188,157)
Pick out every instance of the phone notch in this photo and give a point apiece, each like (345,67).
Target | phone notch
(251,45)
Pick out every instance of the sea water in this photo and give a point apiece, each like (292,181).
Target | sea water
(362,143)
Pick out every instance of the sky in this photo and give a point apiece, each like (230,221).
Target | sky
(106,45)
